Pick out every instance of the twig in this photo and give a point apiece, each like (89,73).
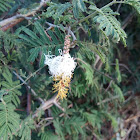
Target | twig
(127,20)
(51,118)
(119,7)
(132,118)
(108,99)
(108,86)
(112,98)
(28,102)
(57,104)
(96,61)
(10,22)
(32,91)
(46,119)
(133,126)
(24,81)
(65,28)
(46,105)
(123,65)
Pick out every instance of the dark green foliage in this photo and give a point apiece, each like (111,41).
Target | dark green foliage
(5,4)
(135,4)
(10,121)
(78,5)
(109,24)
(25,130)
(48,135)
(41,41)
(8,85)
(56,10)
(99,84)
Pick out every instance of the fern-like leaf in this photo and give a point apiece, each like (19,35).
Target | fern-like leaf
(88,71)
(77,6)
(135,4)
(5,4)
(25,130)
(41,41)
(56,10)
(118,91)
(74,125)
(94,118)
(109,24)
(8,86)
(9,121)
(48,136)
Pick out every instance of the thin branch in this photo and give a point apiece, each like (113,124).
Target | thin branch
(132,118)
(32,91)
(65,28)
(24,81)
(10,22)
(51,118)
(133,126)
(108,86)
(28,102)
(119,6)
(112,98)
(46,105)
(57,104)
(127,20)
(96,61)
(123,65)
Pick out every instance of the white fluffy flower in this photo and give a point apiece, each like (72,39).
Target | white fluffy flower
(60,65)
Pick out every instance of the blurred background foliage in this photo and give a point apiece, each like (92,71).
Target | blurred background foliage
(104,96)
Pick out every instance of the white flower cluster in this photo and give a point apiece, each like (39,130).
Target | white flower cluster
(60,65)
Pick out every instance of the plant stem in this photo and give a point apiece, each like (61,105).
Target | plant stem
(26,79)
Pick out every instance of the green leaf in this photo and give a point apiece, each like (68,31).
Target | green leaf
(81,5)
(28,40)
(118,74)
(58,128)
(56,10)
(5,4)
(43,51)
(74,125)
(75,8)
(62,8)
(34,53)
(41,42)
(49,136)
(25,130)
(10,120)
(110,25)
(94,118)
(118,91)
(88,71)
(33,36)
(8,88)
(135,4)
(40,30)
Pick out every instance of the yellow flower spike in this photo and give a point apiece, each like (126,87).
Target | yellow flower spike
(61,86)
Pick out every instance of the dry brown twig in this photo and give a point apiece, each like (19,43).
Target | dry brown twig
(46,105)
